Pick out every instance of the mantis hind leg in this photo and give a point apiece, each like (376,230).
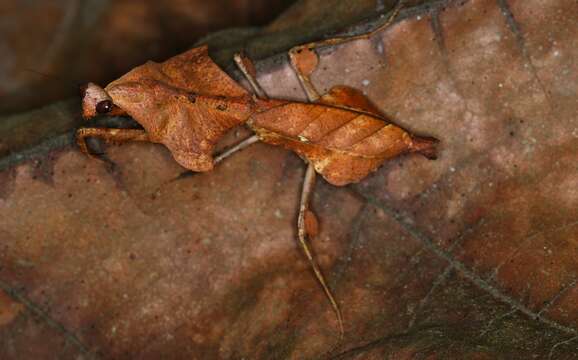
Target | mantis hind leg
(306,216)
(247,68)
(304,63)
(305,230)
(304,59)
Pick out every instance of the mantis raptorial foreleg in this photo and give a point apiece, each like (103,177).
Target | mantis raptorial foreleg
(109,135)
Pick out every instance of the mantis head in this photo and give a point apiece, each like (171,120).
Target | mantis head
(96,101)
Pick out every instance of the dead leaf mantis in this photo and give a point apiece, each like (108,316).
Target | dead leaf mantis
(187,103)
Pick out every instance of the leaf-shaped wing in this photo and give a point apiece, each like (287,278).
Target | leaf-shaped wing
(350,98)
(193,71)
(186,103)
(343,136)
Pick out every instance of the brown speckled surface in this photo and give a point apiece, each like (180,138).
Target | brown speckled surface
(474,255)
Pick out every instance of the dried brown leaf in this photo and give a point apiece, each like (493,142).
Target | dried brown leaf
(344,137)
(186,103)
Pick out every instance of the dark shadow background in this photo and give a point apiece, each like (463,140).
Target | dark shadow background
(49,48)
(471,256)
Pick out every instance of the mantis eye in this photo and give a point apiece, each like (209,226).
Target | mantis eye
(104,106)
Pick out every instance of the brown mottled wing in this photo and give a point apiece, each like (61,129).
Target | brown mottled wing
(345,141)
(192,71)
(186,103)
(347,97)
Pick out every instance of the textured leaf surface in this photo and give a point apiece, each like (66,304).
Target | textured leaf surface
(473,255)
(186,103)
(344,137)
